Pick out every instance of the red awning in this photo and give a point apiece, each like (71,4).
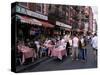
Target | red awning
(46,24)
(29,20)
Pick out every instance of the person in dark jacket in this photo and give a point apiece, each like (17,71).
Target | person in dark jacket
(68,48)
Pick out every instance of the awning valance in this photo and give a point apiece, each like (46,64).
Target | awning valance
(33,21)
(46,24)
(29,20)
(78,30)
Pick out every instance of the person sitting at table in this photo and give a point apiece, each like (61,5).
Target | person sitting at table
(33,46)
(20,44)
(27,42)
(63,41)
(43,50)
(52,42)
(46,41)
(49,41)
(58,43)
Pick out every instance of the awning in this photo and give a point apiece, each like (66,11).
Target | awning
(78,30)
(63,25)
(46,24)
(67,29)
(29,20)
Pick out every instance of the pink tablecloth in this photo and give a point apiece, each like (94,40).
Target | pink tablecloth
(50,48)
(59,53)
(27,53)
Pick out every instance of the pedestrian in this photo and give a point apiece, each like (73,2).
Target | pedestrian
(94,43)
(68,48)
(70,43)
(37,43)
(75,45)
(82,48)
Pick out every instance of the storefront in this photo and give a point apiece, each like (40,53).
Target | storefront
(63,28)
(28,27)
(31,23)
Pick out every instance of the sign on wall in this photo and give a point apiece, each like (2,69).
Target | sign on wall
(25,11)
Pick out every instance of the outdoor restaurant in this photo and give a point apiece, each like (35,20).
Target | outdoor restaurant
(39,37)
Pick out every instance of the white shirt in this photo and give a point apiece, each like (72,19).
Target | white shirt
(37,44)
(70,42)
(62,41)
(82,40)
(75,42)
(88,37)
(94,42)
(66,37)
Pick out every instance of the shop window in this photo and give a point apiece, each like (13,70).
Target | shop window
(32,6)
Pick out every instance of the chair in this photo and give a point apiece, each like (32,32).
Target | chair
(43,51)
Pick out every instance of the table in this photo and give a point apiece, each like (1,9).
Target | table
(26,52)
(50,48)
(59,52)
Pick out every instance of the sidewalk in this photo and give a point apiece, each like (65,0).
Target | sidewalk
(24,67)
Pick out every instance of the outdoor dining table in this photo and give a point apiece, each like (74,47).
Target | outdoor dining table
(50,48)
(26,53)
(59,52)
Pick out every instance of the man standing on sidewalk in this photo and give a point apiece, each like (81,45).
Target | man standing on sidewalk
(82,48)
(94,43)
(75,50)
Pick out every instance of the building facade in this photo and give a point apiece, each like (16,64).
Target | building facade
(79,17)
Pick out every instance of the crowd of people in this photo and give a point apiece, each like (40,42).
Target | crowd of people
(75,45)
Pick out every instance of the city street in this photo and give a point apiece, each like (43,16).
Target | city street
(66,64)
(46,33)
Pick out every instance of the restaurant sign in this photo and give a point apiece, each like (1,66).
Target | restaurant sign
(25,11)
(63,25)
(20,9)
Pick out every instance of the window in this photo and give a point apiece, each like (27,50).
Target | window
(39,8)
(18,9)
(23,4)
